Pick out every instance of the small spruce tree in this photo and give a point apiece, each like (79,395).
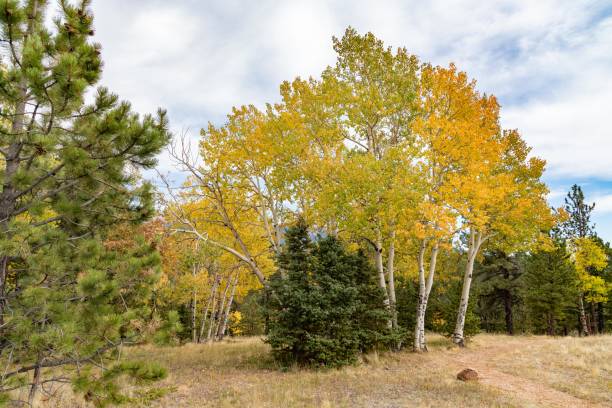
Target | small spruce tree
(325,306)
(550,289)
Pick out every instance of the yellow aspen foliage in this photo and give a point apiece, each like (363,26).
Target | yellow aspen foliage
(588,257)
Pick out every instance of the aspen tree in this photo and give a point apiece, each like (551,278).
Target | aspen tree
(504,204)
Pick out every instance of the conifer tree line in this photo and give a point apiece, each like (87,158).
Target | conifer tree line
(375,201)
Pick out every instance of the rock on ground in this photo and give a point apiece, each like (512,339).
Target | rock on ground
(467,375)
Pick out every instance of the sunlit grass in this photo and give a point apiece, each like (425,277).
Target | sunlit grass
(581,367)
(241,373)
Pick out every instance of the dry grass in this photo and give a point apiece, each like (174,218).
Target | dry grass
(581,367)
(240,373)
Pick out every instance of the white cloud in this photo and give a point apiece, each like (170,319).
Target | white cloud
(548,61)
(296,40)
(556,194)
(603,204)
(568,125)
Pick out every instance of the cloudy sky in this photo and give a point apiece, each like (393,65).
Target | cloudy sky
(549,62)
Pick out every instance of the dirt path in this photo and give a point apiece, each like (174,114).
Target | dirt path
(531,392)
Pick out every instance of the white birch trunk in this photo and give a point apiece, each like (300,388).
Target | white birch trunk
(424,299)
(194,300)
(475,242)
(212,316)
(223,327)
(211,299)
(391,278)
(381,273)
(222,308)
(583,319)
(420,315)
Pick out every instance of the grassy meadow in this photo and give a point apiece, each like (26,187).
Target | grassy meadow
(521,371)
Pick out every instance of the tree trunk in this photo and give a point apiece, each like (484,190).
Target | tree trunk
(208,304)
(475,242)
(550,325)
(212,316)
(583,320)
(420,300)
(432,269)
(3,277)
(34,386)
(424,291)
(194,332)
(463,305)
(194,306)
(508,312)
(223,326)
(381,273)
(391,278)
(594,319)
(266,311)
(222,301)
(420,318)
(602,318)
(8,194)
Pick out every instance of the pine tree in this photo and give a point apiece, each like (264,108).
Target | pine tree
(69,178)
(550,288)
(326,307)
(579,232)
(578,225)
(290,309)
(499,279)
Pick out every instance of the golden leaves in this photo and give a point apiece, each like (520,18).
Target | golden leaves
(379,144)
(587,256)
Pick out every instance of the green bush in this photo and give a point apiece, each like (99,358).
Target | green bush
(325,307)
